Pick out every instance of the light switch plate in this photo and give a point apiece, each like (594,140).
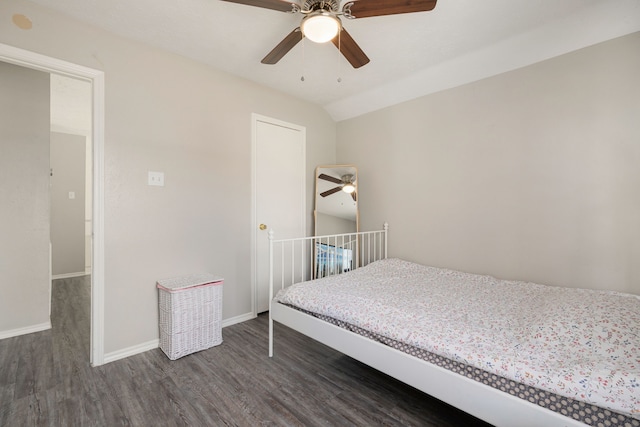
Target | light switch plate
(156,178)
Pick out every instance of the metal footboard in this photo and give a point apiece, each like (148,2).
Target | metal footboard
(307,258)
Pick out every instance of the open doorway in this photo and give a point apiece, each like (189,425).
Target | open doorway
(95,79)
(70,216)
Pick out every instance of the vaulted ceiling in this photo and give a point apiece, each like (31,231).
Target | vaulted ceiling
(411,54)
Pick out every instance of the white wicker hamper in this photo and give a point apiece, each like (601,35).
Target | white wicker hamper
(190,314)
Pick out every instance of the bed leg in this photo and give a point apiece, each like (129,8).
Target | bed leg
(270,335)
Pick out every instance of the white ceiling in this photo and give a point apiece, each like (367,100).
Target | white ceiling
(70,105)
(411,54)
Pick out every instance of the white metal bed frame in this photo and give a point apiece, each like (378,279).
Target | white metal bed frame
(480,400)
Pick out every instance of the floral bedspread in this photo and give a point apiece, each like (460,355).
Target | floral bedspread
(583,344)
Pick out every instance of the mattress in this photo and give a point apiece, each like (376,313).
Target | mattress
(574,343)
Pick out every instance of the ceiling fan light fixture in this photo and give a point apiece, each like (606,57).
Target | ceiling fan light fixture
(320,26)
(349,188)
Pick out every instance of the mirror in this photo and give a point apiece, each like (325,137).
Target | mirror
(336,210)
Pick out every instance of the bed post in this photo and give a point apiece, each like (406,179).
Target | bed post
(386,229)
(270,291)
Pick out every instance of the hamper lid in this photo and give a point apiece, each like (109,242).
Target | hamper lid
(183,282)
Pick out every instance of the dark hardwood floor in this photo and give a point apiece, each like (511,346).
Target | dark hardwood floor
(46,379)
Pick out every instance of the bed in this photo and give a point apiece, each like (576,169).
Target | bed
(510,353)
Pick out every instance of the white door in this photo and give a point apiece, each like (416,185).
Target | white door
(279,193)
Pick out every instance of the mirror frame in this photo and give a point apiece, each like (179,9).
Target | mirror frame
(335,171)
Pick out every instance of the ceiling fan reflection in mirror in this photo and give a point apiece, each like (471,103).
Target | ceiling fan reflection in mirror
(346,184)
(321,22)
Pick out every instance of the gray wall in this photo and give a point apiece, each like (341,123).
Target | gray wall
(533,174)
(167,113)
(24,198)
(68,158)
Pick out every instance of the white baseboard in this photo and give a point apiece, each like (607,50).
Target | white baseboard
(238,319)
(150,345)
(131,351)
(68,275)
(26,330)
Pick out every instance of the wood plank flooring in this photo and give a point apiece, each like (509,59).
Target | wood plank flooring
(46,379)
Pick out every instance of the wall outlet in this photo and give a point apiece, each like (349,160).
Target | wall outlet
(156,178)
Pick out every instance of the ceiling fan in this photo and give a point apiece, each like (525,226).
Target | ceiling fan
(321,22)
(346,184)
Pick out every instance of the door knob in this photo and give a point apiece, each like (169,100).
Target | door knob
(263,226)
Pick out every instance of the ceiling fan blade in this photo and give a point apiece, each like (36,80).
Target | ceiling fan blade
(350,49)
(281,5)
(354,197)
(330,192)
(367,8)
(330,178)
(283,47)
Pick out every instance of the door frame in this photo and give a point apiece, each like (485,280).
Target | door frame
(48,64)
(255,118)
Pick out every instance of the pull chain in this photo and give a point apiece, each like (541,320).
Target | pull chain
(303,62)
(339,79)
